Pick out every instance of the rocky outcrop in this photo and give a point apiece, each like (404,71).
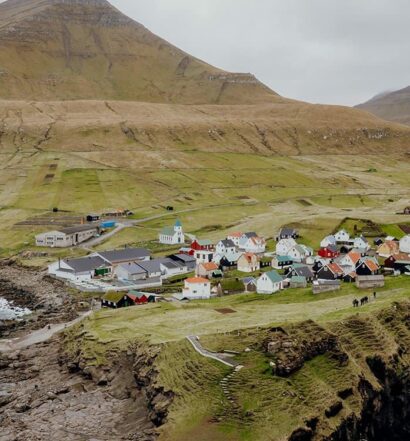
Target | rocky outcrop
(49,299)
(146,374)
(45,395)
(290,352)
(383,392)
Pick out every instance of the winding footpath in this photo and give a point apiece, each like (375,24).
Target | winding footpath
(222,358)
(39,336)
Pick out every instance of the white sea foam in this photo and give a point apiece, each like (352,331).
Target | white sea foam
(10,312)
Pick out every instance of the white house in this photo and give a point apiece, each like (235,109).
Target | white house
(225,247)
(235,237)
(84,268)
(269,283)
(124,255)
(284,246)
(130,271)
(327,241)
(361,244)
(66,237)
(170,268)
(204,256)
(248,263)
(299,253)
(342,236)
(172,236)
(197,288)
(349,261)
(405,244)
(252,244)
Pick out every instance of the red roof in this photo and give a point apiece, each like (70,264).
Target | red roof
(194,280)
(355,257)
(257,240)
(371,265)
(210,266)
(335,268)
(248,256)
(236,234)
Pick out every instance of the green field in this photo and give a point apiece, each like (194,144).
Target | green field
(216,192)
(265,405)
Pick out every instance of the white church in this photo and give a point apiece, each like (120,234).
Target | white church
(172,236)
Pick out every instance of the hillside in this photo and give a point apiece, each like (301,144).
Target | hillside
(313,368)
(340,377)
(87,49)
(97,113)
(391,106)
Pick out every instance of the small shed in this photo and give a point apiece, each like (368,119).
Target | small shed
(93,217)
(370,282)
(250,284)
(321,286)
(108,224)
(298,282)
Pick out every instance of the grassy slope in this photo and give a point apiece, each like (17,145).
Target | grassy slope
(217,191)
(79,51)
(267,407)
(157,322)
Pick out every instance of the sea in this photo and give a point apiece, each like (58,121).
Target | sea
(10,312)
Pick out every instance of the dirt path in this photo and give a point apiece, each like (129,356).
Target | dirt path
(39,336)
(223,358)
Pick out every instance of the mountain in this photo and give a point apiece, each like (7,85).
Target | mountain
(392,106)
(87,49)
(76,71)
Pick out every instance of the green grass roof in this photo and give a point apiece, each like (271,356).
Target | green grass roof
(113,296)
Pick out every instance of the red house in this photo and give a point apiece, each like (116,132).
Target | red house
(138,299)
(202,245)
(329,252)
(187,251)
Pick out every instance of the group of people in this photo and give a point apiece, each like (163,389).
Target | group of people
(363,301)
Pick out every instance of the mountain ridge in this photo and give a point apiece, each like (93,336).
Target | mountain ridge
(392,106)
(88,49)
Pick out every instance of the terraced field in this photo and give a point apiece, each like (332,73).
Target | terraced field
(218,191)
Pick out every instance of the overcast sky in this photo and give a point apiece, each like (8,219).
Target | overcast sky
(328,51)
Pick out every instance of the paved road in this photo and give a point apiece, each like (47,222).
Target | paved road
(223,358)
(132,222)
(104,237)
(39,336)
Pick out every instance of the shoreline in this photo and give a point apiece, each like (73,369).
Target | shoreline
(48,300)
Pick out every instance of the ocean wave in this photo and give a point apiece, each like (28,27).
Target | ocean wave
(10,312)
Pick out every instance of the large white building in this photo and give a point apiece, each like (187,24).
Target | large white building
(172,236)
(197,288)
(66,237)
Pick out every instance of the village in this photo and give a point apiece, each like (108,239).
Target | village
(236,264)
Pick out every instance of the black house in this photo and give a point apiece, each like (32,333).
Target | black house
(367,267)
(287,233)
